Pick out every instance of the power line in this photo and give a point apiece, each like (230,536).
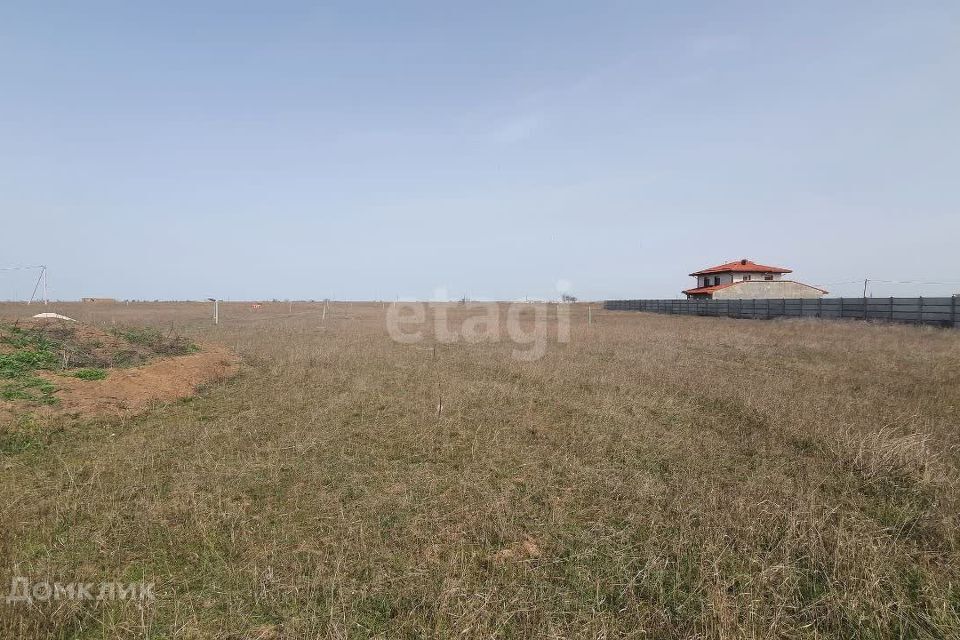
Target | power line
(922,282)
(42,279)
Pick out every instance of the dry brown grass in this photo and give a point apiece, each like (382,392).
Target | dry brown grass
(656,477)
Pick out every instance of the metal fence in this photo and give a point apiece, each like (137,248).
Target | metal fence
(935,311)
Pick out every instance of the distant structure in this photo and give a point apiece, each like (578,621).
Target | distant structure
(98,299)
(745,280)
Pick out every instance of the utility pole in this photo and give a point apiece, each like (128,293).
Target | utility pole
(40,280)
(865,281)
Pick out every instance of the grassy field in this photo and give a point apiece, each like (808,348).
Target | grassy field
(655,477)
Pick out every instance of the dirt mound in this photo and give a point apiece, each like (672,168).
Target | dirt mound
(130,391)
(82,345)
(60,367)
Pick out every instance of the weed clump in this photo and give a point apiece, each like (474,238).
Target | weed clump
(90,374)
(30,388)
(156,341)
(27,353)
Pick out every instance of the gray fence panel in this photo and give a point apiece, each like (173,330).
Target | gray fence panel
(938,311)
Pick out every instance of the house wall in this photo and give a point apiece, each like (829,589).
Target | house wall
(759,289)
(727,278)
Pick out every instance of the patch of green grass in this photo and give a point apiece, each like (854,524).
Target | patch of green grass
(33,352)
(21,363)
(90,374)
(21,339)
(13,442)
(27,387)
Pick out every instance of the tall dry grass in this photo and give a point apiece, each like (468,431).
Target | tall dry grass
(655,477)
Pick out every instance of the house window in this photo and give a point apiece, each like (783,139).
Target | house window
(769,276)
(748,277)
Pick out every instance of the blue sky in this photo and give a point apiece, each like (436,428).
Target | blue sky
(374,150)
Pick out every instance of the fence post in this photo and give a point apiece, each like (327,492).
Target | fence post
(953,311)
(841,307)
(820,307)
(891,308)
(864,307)
(920,319)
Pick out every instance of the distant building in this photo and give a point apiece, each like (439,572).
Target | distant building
(98,299)
(744,279)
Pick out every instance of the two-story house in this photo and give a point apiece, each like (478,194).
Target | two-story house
(744,279)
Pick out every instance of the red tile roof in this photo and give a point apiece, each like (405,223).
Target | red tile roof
(741,265)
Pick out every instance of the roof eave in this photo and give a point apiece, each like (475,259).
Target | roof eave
(711,272)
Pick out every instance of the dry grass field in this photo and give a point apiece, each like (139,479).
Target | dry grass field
(655,477)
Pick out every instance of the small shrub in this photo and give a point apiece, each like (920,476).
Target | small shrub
(154,340)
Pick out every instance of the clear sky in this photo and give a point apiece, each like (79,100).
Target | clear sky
(491,149)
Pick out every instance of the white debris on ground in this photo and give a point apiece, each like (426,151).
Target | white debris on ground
(53,316)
